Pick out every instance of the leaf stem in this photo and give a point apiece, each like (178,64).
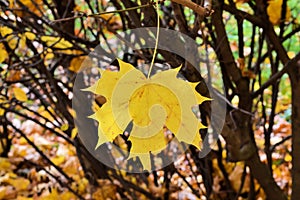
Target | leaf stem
(156,40)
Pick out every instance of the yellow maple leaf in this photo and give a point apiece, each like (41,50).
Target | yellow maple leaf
(150,104)
(274,11)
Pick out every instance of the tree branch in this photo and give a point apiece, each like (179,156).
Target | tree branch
(203,12)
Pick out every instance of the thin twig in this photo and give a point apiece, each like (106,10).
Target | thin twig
(276,76)
(61,183)
(273,147)
(96,15)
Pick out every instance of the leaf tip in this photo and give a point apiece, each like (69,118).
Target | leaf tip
(197,141)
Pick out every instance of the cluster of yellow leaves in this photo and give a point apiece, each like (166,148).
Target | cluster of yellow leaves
(18,183)
(56,42)
(7,33)
(11,183)
(16,92)
(60,44)
(107,190)
(18,41)
(13,41)
(34,6)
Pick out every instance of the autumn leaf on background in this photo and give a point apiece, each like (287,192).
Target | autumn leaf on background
(113,20)
(150,104)
(56,42)
(76,63)
(74,133)
(30,35)
(60,45)
(3,53)
(19,183)
(274,11)
(13,41)
(10,38)
(20,94)
(3,102)
(245,72)
(34,6)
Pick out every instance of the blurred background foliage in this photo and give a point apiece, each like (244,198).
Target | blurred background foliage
(42,46)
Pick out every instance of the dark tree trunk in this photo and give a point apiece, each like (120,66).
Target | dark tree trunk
(294,74)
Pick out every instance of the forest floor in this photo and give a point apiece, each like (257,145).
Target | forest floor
(24,174)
